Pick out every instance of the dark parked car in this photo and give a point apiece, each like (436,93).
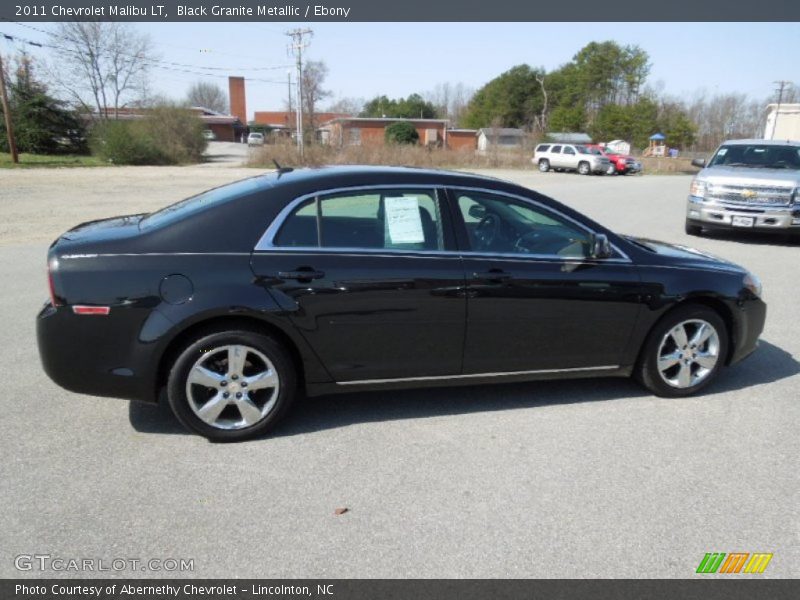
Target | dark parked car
(355,278)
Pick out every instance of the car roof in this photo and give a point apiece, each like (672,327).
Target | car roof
(366,175)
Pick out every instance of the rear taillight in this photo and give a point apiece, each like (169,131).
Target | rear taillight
(54,300)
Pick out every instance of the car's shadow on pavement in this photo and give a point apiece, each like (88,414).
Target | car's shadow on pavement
(767,365)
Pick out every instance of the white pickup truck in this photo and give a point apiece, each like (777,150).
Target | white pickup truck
(747,184)
(570,157)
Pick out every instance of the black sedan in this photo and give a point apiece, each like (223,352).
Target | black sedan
(231,303)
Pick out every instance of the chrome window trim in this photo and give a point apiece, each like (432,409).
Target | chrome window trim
(266,242)
(479,375)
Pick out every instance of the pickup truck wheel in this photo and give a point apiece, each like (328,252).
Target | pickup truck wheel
(544,165)
(692,229)
(584,169)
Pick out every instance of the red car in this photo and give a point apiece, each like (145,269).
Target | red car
(623,164)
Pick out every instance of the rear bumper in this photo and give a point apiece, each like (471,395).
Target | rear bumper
(782,219)
(86,359)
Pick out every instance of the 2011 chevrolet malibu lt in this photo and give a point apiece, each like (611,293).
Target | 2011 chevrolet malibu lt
(231,303)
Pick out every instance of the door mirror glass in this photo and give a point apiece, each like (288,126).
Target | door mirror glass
(601,247)
(700,163)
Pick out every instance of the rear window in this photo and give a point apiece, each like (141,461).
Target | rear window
(200,202)
(542,147)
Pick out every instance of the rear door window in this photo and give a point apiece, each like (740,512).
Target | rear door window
(376,219)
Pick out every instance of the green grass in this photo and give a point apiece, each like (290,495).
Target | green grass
(31,161)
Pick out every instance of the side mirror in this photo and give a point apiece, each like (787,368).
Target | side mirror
(476,211)
(700,163)
(600,246)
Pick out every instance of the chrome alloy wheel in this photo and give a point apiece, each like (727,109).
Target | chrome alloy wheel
(232,387)
(688,353)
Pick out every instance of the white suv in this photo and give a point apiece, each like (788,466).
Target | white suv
(570,157)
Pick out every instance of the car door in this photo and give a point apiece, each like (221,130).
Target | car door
(370,279)
(569,158)
(555,157)
(536,300)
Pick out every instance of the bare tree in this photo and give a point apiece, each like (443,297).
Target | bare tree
(450,100)
(543,116)
(347,106)
(102,65)
(208,95)
(314,74)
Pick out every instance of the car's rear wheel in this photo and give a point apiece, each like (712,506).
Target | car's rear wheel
(584,168)
(544,165)
(231,385)
(692,229)
(684,352)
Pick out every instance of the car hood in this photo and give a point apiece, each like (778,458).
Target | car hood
(747,176)
(685,256)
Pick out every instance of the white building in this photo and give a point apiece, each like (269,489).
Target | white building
(783,124)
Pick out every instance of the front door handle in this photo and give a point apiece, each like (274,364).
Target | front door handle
(302,274)
(493,275)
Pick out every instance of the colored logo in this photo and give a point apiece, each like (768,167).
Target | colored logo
(735,562)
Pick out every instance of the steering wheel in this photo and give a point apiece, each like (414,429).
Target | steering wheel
(487,231)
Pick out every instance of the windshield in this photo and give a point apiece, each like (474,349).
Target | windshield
(195,204)
(757,156)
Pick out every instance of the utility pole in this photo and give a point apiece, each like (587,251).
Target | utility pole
(297,46)
(289,82)
(12,144)
(782,85)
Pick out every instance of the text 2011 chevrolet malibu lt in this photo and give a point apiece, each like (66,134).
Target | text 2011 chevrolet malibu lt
(357,278)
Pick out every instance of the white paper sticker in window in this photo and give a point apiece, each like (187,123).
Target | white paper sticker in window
(403,220)
(722,151)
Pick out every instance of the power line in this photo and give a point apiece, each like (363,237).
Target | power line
(153,62)
(160,61)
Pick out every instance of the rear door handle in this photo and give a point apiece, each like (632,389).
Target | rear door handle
(301,274)
(493,275)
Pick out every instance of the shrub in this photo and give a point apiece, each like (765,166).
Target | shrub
(168,135)
(401,132)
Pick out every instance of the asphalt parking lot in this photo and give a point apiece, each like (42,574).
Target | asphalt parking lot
(593,478)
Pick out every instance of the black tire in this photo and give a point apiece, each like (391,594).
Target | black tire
(544,165)
(647,368)
(692,229)
(584,168)
(211,344)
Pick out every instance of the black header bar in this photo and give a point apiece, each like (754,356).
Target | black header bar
(399,10)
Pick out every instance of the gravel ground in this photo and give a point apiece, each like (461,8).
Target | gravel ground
(554,479)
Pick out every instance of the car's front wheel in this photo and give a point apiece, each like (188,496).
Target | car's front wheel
(584,168)
(684,352)
(231,385)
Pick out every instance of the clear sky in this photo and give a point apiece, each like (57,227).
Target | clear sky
(396,59)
